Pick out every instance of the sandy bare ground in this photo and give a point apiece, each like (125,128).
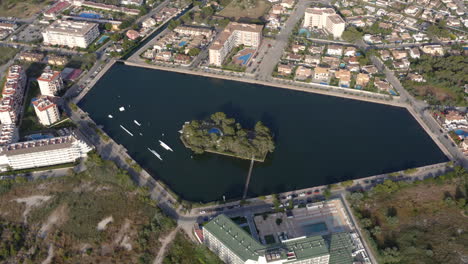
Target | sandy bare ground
(31,202)
(122,239)
(164,244)
(102,225)
(50,255)
(57,217)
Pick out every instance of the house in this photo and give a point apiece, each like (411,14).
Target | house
(370,69)
(316,49)
(357,22)
(296,48)
(277,9)
(420,37)
(350,51)
(411,10)
(335,50)
(56,60)
(414,53)
(132,34)
(333,62)
(31,56)
(433,50)
(399,54)
(382,85)
(313,60)
(385,54)
(362,80)
(321,73)
(294,57)
(302,73)
(353,60)
(453,116)
(163,56)
(400,65)
(182,59)
(344,76)
(354,68)
(415,77)
(287,3)
(149,22)
(285,69)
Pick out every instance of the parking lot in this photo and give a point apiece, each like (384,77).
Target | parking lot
(31,33)
(319,218)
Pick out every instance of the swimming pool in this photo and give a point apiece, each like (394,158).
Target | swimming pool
(461,132)
(90,15)
(182,43)
(245,58)
(392,92)
(38,136)
(102,39)
(314,228)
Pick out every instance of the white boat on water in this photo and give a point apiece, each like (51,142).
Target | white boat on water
(126,130)
(121,109)
(137,123)
(165,146)
(155,153)
(110,116)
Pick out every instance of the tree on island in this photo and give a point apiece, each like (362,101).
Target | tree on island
(223,135)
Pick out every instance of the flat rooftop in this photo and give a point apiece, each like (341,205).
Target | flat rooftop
(70,27)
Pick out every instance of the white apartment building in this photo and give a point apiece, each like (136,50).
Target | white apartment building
(50,82)
(46,110)
(70,33)
(43,152)
(324,18)
(234,35)
(12,95)
(8,134)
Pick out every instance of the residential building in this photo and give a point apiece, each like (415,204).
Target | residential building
(416,77)
(234,35)
(56,60)
(12,95)
(414,53)
(106,7)
(235,246)
(399,54)
(46,110)
(131,2)
(285,69)
(335,50)
(31,56)
(362,80)
(303,73)
(194,31)
(149,22)
(8,134)
(70,33)
(42,152)
(321,73)
(312,59)
(344,76)
(132,34)
(56,9)
(50,82)
(8,26)
(324,18)
(434,50)
(350,51)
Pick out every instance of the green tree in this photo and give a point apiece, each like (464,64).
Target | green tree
(352,34)
(194,52)
(108,26)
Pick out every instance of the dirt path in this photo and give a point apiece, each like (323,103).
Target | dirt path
(164,243)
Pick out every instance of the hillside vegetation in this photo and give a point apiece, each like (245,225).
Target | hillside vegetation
(423,222)
(97,216)
(21,8)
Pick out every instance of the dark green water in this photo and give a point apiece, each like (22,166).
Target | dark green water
(319,139)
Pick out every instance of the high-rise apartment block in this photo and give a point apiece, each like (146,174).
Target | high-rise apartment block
(70,33)
(50,82)
(234,35)
(12,95)
(42,152)
(324,18)
(46,110)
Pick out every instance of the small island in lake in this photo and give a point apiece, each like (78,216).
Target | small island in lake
(222,135)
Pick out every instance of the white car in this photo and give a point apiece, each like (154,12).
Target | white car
(202,212)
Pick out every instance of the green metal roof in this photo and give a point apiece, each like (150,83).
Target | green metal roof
(234,237)
(338,245)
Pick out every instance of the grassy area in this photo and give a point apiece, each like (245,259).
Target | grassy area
(245,9)
(6,54)
(70,217)
(183,251)
(21,8)
(421,222)
(30,123)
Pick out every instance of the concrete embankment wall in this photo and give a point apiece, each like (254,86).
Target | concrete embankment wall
(278,85)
